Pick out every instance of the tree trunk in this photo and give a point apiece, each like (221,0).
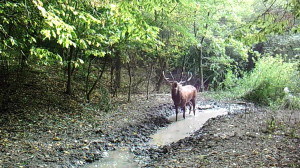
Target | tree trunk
(149,78)
(87,80)
(118,70)
(182,68)
(112,68)
(129,87)
(161,77)
(201,89)
(23,60)
(100,73)
(69,89)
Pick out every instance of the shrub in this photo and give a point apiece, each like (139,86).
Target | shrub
(230,80)
(105,101)
(265,84)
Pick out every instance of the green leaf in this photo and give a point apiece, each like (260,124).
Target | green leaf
(46,34)
(12,41)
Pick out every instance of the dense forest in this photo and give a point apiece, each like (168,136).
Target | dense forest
(62,59)
(123,46)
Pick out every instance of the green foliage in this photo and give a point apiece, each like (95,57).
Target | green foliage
(44,56)
(271,124)
(69,24)
(144,32)
(230,80)
(216,25)
(266,83)
(18,23)
(105,101)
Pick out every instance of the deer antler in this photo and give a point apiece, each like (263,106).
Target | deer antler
(172,77)
(189,78)
(191,75)
(167,79)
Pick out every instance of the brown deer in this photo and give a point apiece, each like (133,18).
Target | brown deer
(182,95)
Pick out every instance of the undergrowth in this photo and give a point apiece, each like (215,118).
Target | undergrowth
(273,82)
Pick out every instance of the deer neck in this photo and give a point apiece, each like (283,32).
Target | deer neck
(176,95)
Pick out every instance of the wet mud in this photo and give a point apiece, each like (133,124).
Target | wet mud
(246,136)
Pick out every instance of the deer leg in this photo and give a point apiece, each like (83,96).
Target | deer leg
(176,111)
(189,103)
(194,104)
(184,112)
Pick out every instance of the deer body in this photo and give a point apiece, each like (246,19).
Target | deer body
(182,95)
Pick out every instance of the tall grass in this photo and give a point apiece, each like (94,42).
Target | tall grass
(265,84)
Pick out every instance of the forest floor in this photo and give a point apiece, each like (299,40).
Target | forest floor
(40,126)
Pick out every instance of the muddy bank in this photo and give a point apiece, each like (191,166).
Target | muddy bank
(138,143)
(39,137)
(240,139)
(248,139)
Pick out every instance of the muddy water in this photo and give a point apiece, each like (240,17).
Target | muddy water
(120,158)
(184,127)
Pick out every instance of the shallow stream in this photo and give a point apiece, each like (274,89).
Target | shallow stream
(122,158)
(184,127)
(119,158)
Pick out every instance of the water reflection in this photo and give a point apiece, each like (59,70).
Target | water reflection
(184,127)
(120,158)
